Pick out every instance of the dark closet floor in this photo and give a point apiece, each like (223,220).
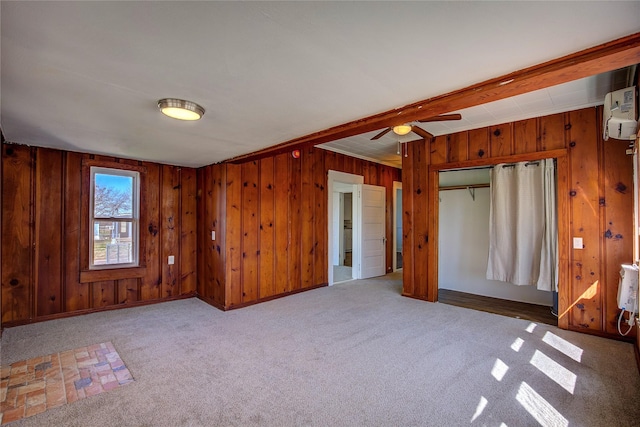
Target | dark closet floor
(519,310)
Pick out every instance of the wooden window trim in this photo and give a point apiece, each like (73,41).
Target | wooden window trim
(87,275)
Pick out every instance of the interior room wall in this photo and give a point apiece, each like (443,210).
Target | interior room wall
(270,216)
(398,225)
(464,241)
(595,202)
(42,275)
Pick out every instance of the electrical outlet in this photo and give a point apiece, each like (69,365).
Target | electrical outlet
(577,243)
(171,260)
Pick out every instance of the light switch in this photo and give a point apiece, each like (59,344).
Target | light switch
(171,260)
(577,243)
(213,235)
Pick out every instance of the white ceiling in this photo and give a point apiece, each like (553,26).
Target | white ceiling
(86,76)
(577,94)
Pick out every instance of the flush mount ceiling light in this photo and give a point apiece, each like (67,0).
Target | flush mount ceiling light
(180,109)
(401,129)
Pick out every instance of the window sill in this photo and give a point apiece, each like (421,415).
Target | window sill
(87,276)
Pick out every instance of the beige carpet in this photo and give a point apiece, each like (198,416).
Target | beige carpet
(351,355)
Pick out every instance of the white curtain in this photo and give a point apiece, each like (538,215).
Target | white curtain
(523,232)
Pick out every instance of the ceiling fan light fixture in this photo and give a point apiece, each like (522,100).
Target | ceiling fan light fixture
(402,129)
(180,109)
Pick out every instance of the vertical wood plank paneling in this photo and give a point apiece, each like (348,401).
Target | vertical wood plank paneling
(76,293)
(338,162)
(364,168)
(188,231)
(321,237)
(266,280)
(281,220)
(525,136)
(170,214)
(358,167)
(250,230)
(233,237)
(307,214)
(552,131)
(438,148)
(103,294)
(16,233)
(564,240)
(127,290)
(374,172)
(432,240)
(500,140)
(408,199)
(45,207)
(586,280)
(201,231)
(330,160)
(217,205)
(48,239)
(1,209)
(420,218)
(295,224)
(478,144)
(457,147)
(151,230)
(617,210)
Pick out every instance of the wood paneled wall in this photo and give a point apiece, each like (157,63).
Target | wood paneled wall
(595,202)
(270,218)
(42,243)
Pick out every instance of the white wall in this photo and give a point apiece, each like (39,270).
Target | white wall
(464,245)
(398,224)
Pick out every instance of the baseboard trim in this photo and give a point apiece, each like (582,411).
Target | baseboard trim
(95,310)
(416,297)
(211,302)
(270,298)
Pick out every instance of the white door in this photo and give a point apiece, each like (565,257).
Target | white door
(372,231)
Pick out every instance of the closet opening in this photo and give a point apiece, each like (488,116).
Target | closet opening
(464,242)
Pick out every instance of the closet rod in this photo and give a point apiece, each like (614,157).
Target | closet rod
(463,187)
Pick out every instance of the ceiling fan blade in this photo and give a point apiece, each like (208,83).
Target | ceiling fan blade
(442,118)
(423,133)
(381,134)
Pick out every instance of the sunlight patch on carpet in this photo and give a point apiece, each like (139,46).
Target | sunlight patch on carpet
(499,369)
(539,408)
(558,373)
(517,344)
(480,408)
(563,346)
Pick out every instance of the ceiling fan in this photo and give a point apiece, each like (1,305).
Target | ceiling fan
(404,129)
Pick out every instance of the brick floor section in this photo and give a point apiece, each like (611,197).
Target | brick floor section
(29,387)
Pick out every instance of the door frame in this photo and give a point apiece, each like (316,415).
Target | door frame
(345,178)
(564,226)
(396,186)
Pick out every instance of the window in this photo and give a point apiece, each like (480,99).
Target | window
(114,209)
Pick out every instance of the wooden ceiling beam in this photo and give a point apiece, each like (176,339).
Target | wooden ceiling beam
(609,56)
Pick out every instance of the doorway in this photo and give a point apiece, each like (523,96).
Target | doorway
(397,226)
(343,225)
(366,229)
(464,216)
(342,261)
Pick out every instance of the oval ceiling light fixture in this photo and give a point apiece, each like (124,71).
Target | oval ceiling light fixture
(402,129)
(180,109)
